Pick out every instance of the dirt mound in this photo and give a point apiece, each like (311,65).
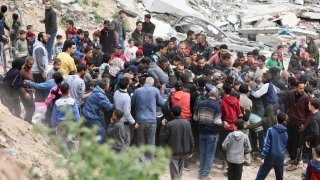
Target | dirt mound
(19,143)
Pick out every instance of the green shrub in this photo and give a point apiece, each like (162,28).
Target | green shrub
(94,161)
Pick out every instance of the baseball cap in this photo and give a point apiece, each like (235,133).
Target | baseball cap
(107,22)
(118,46)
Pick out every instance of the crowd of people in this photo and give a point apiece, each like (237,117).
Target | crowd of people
(197,99)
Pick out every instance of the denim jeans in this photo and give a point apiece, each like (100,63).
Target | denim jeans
(208,146)
(265,169)
(146,136)
(49,46)
(102,131)
(121,42)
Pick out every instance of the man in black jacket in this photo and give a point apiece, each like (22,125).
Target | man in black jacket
(108,38)
(138,34)
(177,135)
(313,135)
(51,27)
(147,25)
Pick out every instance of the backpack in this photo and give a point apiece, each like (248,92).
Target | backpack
(201,96)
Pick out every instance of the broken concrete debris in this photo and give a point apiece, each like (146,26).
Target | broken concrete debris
(311,15)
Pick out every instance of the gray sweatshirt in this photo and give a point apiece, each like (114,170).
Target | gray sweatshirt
(117,132)
(122,101)
(236,144)
(21,48)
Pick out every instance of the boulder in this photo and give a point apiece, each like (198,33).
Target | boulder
(77,8)
(268,40)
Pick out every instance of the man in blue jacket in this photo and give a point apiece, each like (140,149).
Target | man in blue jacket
(145,101)
(78,39)
(93,105)
(274,149)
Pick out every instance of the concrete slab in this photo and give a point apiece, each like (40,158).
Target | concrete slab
(311,15)
(268,40)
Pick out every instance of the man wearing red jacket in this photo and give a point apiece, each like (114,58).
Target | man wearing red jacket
(70,30)
(230,111)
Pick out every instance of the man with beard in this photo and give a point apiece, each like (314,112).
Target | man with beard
(138,34)
(40,67)
(199,69)
(67,63)
(77,84)
(50,22)
(202,47)
(108,38)
(299,118)
(26,94)
(180,52)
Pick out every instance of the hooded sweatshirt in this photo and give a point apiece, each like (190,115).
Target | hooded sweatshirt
(182,99)
(275,143)
(236,145)
(313,170)
(230,110)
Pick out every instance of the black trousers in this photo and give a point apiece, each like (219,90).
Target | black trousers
(294,145)
(29,106)
(40,95)
(234,171)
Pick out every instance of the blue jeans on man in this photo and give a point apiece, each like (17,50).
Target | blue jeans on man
(146,136)
(49,46)
(101,125)
(121,42)
(208,146)
(265,169)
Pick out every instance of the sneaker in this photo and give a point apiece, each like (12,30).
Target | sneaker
(224,166)
(293,167)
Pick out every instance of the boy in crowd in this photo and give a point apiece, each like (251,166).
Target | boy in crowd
(58,46)
(116,131)
(61,113)
(87,52)
(22,45)
(274,149)
(236,144)
(15,29)
(313,168)
(90,74)
(56,67)
(31,38)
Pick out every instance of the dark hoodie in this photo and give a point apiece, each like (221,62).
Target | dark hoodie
(313,170)
(275,143)
(230,110)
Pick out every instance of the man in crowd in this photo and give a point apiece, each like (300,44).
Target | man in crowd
(202,47)
(138,34)
(147,25)
(40,67)
(108,38)
(67,62)
(118,26)
(51,27)
(145,101)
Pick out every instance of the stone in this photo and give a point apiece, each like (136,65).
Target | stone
(311,15)
(67,1)
(290,20)
(268,40)
(264,23)
(77,8)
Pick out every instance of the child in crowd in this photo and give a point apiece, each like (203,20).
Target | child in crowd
(130,51)
(15,29)
(61,113)
(90,74)
(87,52)
(106,59)
(236,144)
(313,168)
(22,45)
(89,88)
(116,131)
(95,37)
(31,38)
(274,149)
(58,46)
(56,67)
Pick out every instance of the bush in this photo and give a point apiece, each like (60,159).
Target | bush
(94,161)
